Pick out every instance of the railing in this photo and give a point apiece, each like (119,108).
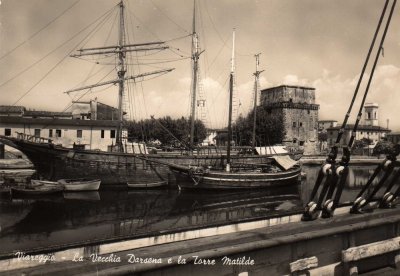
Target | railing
(32,138)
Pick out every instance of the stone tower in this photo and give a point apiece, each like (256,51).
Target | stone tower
(371,114)
(300,113)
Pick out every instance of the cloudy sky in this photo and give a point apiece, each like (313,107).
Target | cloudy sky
(316,43)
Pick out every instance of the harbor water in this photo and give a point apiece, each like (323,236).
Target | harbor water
(84,218)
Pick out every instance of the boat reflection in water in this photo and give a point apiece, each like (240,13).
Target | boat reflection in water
(109,215)
(79,218)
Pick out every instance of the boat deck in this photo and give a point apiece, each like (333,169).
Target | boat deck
(273,249)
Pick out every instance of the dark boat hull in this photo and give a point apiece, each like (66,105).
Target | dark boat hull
(16,192)
(53,163)
(227,181)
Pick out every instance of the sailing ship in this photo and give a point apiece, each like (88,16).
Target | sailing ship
(237,176)
(55,162)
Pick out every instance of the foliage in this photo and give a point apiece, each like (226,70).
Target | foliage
(383,147)
(149,130)
(269,128)
(358,144)
(323,136)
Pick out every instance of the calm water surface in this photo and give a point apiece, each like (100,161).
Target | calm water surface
(76,218)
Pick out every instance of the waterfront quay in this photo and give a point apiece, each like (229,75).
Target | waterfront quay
(167,231)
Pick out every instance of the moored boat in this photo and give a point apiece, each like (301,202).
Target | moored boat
(147,184)
(36,191)
(45,183)
(80,184)
(281,171)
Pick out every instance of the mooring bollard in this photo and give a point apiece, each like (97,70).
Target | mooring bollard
(1,151)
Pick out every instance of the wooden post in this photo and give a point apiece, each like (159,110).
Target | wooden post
(1,151)
(397,256)
(300,267)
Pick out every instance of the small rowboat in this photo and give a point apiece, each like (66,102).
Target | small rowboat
(81,184)
(37,183)
(134,185)
(34,191)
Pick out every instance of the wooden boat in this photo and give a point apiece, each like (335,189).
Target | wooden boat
(284,171)
(80,184)
(113,167)
(36,191)
(37,183)
(197,178)
(147,185)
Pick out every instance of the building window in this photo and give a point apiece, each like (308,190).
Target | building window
(361,132)
(294,124)
(58,132)
(7,132)
(79,133)
(37,132)
(112,133)
(50,133)
(301,143)
(102,133)
(300,124)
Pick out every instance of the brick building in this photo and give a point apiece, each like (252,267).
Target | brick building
(299,110)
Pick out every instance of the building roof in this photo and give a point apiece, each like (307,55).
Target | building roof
(288,86)
(46,113)
(361,128)
(58,122)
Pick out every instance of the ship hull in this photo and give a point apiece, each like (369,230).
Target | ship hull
(113,168)
(238,180)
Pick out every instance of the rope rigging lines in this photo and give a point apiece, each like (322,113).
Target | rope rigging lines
(333,175)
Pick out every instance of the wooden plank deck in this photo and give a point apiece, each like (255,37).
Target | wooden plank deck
(271,248)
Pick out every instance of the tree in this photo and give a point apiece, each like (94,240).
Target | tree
(149,129)
(269,127)
(383,147)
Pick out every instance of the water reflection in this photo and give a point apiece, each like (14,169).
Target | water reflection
(75,218)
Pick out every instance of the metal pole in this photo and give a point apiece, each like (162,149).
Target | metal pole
(121,74)
(256,76)
(228,154)
(195,57)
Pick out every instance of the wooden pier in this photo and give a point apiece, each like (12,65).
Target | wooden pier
(344,245)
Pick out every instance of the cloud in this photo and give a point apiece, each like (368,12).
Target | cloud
(334,94)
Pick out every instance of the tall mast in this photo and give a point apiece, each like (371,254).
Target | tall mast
(120,51)
(121,74)
(195,58)
(228,154)
(256,77)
